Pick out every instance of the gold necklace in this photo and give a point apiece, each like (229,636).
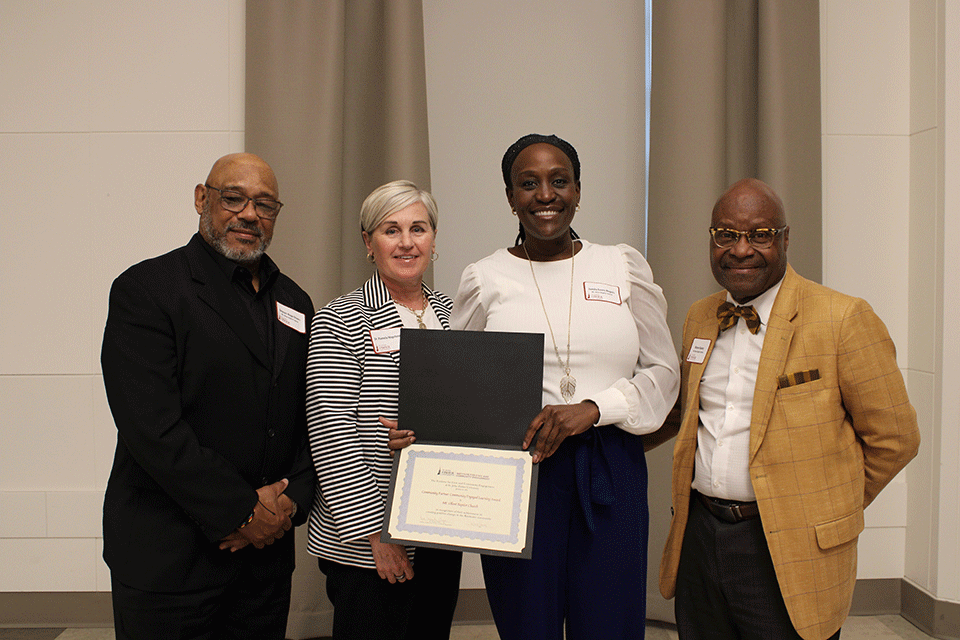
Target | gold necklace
(568,384)
(418,314)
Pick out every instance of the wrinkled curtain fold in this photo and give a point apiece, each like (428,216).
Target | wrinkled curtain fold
(736,93)
(336,102)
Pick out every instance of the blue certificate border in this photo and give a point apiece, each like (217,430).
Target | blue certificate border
(406,485)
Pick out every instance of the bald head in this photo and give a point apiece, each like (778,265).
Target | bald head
(750,193)
(242,163)
(742,269)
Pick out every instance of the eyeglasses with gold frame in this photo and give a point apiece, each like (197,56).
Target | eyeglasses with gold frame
(758,238)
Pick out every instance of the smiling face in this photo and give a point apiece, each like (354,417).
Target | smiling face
(742,269)
(544,193)
(401,246)
(242,237)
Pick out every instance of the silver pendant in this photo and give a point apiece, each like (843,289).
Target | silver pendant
(568,387)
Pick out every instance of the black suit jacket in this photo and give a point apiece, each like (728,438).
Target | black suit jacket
(204,419)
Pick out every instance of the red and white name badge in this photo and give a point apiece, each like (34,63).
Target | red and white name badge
(292,318)
(601,292)
(385,340)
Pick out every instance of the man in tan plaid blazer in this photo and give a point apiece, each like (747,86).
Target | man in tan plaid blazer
(794,417)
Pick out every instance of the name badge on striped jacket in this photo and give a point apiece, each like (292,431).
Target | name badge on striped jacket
(385,340)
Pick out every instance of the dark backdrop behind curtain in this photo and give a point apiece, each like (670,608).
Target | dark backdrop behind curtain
(336,103)
(736,93)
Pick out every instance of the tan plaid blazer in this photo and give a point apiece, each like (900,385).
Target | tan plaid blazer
(831,426)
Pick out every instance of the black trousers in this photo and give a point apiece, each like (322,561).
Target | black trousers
(246,608)
(727,588)
(367,607)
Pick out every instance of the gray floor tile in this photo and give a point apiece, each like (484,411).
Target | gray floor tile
(891,627)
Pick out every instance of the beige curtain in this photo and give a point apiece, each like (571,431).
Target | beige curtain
(336,103)
(736,93)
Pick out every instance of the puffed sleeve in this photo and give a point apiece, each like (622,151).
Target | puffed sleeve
(469,313)
(641,404)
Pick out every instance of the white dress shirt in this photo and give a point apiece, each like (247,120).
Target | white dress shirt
(726,404)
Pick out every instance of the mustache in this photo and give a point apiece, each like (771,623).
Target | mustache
(733,263)
(249,228)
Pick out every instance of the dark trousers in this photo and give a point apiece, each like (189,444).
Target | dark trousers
(367,607)
(727,588)
(246,608)
(591,583)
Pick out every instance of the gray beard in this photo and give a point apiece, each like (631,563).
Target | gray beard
(219,242)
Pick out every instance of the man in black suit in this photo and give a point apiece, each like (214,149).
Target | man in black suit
(204,366)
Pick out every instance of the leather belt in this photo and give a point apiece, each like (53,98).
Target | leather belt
(729,510)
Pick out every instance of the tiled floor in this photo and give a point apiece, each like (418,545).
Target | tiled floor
(856,628)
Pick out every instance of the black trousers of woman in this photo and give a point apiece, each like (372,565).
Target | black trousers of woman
(367,607)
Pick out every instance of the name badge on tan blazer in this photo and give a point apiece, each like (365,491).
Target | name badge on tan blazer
(698,350)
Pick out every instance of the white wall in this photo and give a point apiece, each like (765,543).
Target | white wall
(890,236)
(110,113)
(944,579)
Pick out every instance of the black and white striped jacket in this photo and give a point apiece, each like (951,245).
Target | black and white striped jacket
(349,387)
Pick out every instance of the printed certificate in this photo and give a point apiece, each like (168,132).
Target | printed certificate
(462,497)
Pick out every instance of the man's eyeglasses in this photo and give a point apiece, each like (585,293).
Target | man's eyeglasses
(235,202)
(758,238)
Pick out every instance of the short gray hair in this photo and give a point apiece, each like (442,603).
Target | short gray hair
(392,197)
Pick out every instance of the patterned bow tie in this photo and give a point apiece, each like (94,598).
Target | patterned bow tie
(727,314)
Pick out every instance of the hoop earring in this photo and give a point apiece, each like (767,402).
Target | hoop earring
(513,211)
(370,258)
(434,255)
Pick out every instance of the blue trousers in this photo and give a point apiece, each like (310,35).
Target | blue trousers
(589,561)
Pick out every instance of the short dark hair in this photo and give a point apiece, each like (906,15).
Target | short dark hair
(535,138)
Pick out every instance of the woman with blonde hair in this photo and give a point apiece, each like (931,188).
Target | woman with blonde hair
(378,590)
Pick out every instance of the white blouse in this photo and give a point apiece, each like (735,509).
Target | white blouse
(621,351)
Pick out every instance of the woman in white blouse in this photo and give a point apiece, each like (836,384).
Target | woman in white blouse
(610,375)
(378,590)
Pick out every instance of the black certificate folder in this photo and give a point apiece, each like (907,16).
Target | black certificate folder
(478,388)
(465,483)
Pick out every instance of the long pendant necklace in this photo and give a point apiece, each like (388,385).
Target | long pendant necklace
(418,314)
(568,384)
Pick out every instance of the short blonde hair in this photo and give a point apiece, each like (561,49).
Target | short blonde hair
(392,197)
